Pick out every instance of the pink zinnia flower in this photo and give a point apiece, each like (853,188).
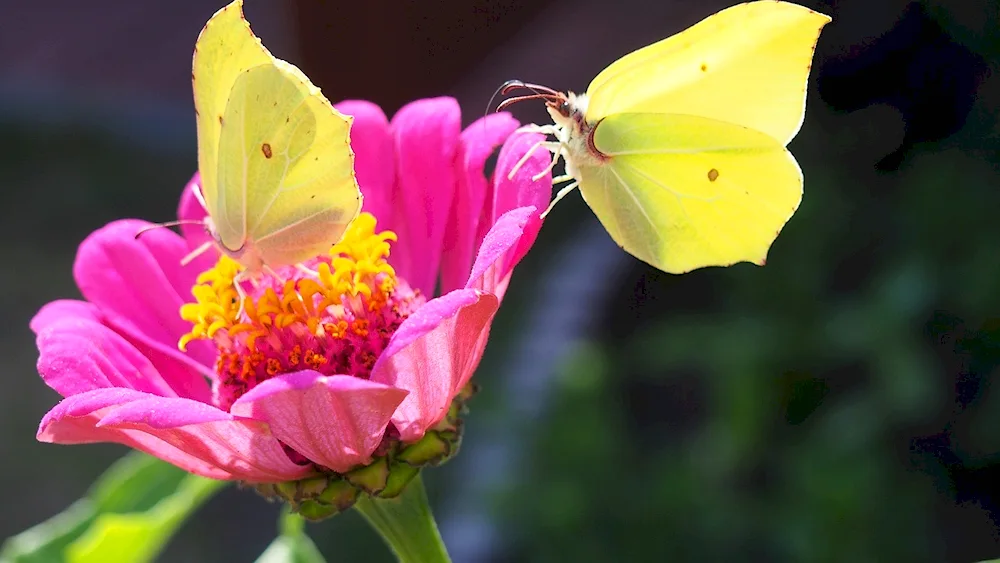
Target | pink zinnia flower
(327,370)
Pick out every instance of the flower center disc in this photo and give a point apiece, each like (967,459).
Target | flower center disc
(334,314)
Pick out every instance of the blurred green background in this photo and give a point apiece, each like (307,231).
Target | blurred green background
(835,405)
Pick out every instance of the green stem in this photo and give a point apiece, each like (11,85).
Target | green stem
(406,524)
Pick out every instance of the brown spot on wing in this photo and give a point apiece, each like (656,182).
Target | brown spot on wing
(266,149)
(713,175)
(704,67)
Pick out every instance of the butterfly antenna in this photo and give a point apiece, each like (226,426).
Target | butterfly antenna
(168,224)
(538,92)
(512,85)
(494,96)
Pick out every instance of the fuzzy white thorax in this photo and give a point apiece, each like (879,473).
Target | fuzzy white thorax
(572,131)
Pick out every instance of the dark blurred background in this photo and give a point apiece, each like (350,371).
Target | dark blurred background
(836,405)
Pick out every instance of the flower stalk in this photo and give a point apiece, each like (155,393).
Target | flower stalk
(406,524)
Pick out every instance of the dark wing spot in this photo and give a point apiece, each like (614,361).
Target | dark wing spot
(312,196)
(220,120)
(704,67)
(266,149)
(713,175)
(275,104)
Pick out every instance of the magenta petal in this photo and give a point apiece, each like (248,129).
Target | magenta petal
(140,286)
(78,354)
(426,139)
(433,355)
(475,146)
(169,378)
(60,309)
(495,261)
(190,209)
(521,190)
(241,446)
(374,159)
(191,435)
(336,421)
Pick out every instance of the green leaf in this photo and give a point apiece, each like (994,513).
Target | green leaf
(46,542)
(128,515)
(293,545)
(139,536)
(134,483)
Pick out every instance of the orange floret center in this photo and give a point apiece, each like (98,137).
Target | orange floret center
(334,315)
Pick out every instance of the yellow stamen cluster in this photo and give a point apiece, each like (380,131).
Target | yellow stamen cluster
(357,276)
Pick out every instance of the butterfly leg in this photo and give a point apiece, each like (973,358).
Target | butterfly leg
(559,195)
(196,191)
(535,128)
(238,285)
(302,268)
(527,155)
(556,150)
(196,253)
(270,271)
(551,146)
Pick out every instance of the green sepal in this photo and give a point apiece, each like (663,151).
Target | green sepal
(431,447)
(396,465)
(400,475)
(315,498)
(370,478)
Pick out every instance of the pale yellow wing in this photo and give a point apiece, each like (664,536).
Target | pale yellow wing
(285,152)
(682,192)
(746,65)
(225,49)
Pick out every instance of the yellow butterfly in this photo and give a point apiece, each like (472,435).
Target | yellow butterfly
(679,147)
(277,169)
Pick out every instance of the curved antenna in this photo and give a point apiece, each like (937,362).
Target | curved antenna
(489,104)
(538,92)
(511,101)
(168,224)
(512,85)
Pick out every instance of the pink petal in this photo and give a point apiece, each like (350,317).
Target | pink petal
(374,160)
(475,146)
(60,309)
(521,191)
(433,354)
(193,436)
(79,354)
(426,139)
(495,261)
(181,378)
(190,209)
(336,421)
(139,285)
